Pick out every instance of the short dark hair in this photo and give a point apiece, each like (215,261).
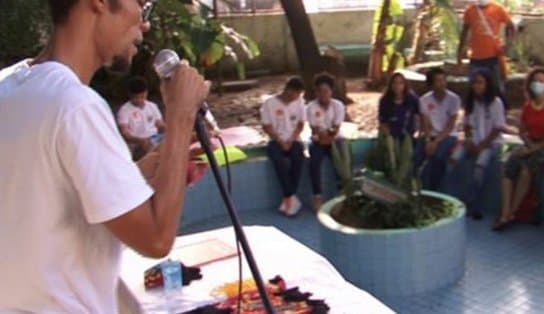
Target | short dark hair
(324,78)
(295,84)
(136,85)
(432,73)
(530,78)
(60,9)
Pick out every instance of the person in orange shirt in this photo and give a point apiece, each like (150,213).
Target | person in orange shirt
(484,21)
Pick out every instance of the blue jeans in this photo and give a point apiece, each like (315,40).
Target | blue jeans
(433,172)
(481,165)
(317,153)
(287,164)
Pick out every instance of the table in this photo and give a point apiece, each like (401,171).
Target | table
(276,254)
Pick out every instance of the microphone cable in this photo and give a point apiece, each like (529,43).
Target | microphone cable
(238,250)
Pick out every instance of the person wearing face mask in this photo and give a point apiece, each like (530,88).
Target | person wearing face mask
(484,20)
(524,166)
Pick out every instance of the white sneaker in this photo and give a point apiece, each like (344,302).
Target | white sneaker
(296,205)
(282,209)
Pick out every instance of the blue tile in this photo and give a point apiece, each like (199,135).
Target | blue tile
(504,272)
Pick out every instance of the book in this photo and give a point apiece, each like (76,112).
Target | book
(204,252)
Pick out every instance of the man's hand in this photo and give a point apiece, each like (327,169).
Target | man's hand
(186,86)
(286,145)
(522,151)
(470,147)
(430,147)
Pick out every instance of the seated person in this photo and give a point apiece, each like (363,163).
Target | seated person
(325,115)
(398,108)
(283,117)
(438,108)
(484,122)
(140,120)
(524,166)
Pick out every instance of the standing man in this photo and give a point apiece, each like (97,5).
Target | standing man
(484,21)
(439,109)
(70,194)
(140,120)
(283,119)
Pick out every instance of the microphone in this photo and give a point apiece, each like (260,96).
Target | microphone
(165,63)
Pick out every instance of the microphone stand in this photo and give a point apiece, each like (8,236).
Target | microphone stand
(202,136)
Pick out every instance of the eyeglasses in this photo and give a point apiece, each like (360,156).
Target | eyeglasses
(146,10)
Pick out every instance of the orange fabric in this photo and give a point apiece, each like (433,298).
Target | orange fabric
(482,44)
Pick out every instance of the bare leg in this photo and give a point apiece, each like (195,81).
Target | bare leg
(522,187)
(507,189)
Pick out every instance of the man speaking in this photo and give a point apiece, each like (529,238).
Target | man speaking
(69,191)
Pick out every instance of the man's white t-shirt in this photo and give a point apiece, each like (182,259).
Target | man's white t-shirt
(283,118)
(141,122)
(324,119)
(64,170)
(440,112)
(483,120)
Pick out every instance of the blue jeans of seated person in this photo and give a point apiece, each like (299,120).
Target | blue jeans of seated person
(482,163)
(317,153)
(434,171)
(287,164)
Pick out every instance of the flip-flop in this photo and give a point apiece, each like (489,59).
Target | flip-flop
(501,225)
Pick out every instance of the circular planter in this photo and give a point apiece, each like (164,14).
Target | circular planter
(392,262)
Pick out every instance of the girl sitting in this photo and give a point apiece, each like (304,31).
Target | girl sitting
(398,108)
(484,122)
(525,164)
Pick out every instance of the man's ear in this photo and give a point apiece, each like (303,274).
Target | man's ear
(98,6)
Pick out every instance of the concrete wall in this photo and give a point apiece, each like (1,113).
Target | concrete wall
(273,35)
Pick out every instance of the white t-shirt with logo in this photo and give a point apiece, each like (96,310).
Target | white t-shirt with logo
(440,112)
(64,170)
(483,120)
(283,118)
(324,119)
(141,122)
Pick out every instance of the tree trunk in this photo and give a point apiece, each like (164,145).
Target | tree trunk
(309,58)
(421,34)
(375,67)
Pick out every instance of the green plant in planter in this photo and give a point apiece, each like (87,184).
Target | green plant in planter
(400,204)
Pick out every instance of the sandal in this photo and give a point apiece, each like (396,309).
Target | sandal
(502,224)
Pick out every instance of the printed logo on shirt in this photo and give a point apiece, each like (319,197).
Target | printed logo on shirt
(149,119)
(317,114)
(293,117)
(431,106)
(279,112)
(136,115)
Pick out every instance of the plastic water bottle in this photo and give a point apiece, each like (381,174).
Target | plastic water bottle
(172,283)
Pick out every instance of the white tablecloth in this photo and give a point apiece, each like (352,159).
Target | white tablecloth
(276,254)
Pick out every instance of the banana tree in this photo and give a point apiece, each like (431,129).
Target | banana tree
(198,37)
(387,33)
(437,27)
